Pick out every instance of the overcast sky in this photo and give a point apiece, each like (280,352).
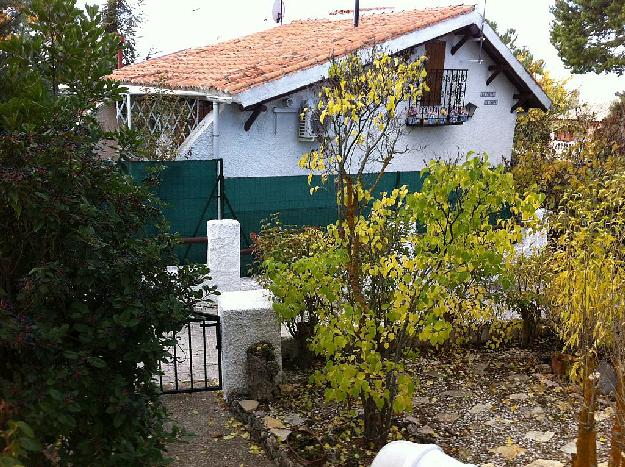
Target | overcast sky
(174,25)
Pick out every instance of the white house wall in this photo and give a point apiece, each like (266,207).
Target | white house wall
(271,146)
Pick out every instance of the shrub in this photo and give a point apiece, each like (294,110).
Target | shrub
(396,270)
(85,296)
(294,277)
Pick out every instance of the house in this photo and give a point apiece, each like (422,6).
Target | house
(241,100)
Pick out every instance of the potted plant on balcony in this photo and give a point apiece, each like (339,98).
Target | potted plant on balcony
(413,116)
(442,116)
(432,117)
(453,116)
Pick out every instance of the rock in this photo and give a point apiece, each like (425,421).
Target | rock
(294,419)
(569,448)
(262,371)
(280,433)
(498,421)
(509,451)
(519,396)
(447,417)
(271,423)
(456,393)
(421,400)
(426,430)
(545,463)
(540,436)
(480,368)
(536,412)
(479,408)
(607,378)
(411,419)
(249,405)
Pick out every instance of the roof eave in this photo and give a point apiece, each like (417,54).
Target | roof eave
(210,94)
(309,76)
(303,78)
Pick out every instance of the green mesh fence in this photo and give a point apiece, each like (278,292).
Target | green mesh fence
(189,190)
(254,199)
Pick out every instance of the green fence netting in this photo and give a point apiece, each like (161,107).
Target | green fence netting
(254,199)
(189,191)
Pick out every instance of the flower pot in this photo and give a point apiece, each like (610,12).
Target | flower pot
(305,448)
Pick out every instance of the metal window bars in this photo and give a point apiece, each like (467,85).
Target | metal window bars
(444,103)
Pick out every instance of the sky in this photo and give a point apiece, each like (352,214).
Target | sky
(169,26)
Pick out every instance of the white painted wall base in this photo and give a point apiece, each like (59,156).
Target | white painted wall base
(247,317)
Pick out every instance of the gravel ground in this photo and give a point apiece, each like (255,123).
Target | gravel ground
(215,439)
(491,408)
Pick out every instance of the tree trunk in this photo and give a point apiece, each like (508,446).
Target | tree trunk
(530,328)
(617,447)
(377,422)
(587,433)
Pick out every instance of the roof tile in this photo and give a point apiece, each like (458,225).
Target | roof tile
(239,64)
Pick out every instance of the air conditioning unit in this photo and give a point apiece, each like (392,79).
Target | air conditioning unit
(310,126)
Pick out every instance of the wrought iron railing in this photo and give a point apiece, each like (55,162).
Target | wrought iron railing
(444,103)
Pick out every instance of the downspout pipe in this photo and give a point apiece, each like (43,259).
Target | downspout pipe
(409,454)
(216,154)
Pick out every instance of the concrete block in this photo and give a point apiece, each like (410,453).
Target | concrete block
(247,317)
(223,255)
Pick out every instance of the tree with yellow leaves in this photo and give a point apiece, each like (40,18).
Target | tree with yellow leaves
(587,289)
(361,109)
(399,267)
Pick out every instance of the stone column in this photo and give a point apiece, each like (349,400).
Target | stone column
(223,253)
(247,317)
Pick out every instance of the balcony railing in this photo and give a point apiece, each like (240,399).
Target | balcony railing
(444,103)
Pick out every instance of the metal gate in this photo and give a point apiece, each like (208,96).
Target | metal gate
(195,358)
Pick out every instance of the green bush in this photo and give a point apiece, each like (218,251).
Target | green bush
(85,297)
(285,257)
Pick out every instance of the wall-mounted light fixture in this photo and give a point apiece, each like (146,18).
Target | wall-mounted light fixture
(470,108)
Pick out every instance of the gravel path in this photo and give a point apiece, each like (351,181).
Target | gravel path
(217,439)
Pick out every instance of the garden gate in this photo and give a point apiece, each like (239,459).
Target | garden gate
(194,363)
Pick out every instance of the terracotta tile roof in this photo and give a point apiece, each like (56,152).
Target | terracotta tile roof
(237,65)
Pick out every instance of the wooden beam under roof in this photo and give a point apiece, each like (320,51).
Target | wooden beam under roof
(255,113)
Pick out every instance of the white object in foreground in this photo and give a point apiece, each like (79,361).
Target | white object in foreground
(409,454)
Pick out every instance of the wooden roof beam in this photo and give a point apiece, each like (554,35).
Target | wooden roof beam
(496,69)
(521,99)
(461,42)
(255,113)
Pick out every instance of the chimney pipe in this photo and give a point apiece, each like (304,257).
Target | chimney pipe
(356,13)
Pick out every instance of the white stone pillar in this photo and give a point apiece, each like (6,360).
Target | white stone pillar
(223,253)
(247,317)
